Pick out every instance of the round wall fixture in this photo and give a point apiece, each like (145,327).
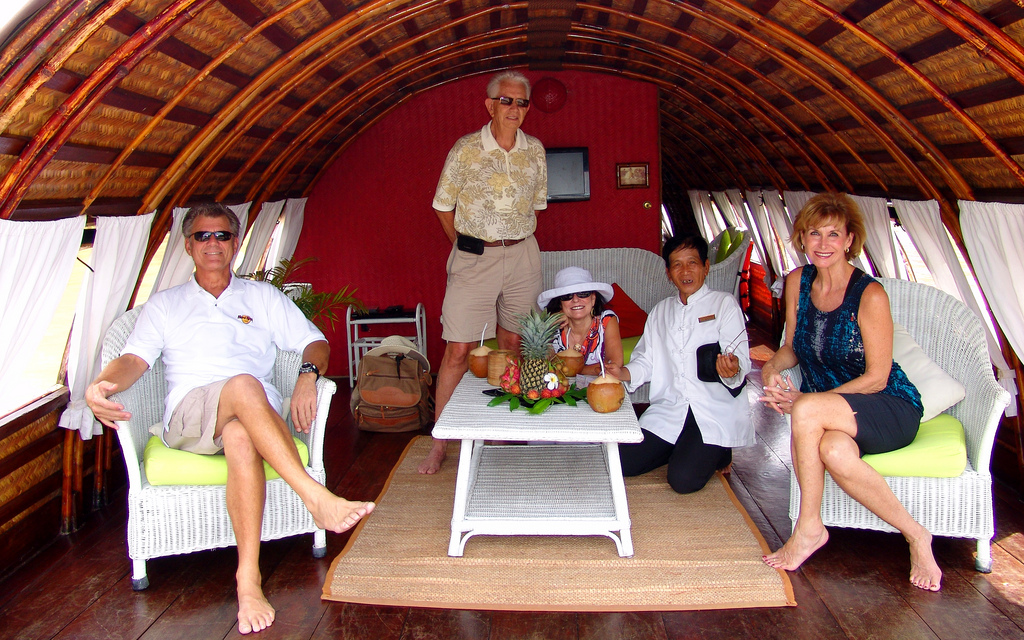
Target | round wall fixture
(548,95)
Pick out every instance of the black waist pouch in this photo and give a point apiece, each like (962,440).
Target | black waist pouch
(469,244)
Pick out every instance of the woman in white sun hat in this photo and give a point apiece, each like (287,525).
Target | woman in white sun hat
(589,328)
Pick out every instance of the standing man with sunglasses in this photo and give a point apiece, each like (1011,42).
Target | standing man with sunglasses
(217,336)
(494,182)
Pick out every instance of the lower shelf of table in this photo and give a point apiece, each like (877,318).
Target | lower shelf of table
(541,482)
(540,489)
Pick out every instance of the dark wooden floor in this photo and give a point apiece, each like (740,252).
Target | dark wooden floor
(856,587)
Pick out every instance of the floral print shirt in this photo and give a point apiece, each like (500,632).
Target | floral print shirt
(494,192)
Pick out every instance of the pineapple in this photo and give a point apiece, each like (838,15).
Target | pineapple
(537,330)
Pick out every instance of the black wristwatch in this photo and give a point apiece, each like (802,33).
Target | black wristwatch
(309,367)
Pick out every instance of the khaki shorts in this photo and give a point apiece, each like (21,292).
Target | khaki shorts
(501,285)
(194,421)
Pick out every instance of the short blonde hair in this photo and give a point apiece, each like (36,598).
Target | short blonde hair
(830,207)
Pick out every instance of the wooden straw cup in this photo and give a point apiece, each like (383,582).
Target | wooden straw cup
(496,363)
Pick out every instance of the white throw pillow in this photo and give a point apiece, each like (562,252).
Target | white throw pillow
(938,390)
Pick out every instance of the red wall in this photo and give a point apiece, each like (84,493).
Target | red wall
(369,219)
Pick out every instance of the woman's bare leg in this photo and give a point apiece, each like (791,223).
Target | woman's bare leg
(841,457)
(813,415)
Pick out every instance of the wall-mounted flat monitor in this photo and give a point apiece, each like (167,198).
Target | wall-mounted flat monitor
(568,174)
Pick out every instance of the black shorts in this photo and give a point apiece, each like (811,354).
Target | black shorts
(884,423)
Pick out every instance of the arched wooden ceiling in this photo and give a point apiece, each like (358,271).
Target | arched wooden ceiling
(122,106)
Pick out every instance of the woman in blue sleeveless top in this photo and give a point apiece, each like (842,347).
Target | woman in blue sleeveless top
(853,399)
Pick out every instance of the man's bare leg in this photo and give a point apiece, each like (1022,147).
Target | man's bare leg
(454,365)
(243,399)
(246,495)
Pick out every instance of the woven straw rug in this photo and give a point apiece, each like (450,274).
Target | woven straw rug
(699,551)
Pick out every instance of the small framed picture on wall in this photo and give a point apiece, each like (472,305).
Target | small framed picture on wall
(632,175)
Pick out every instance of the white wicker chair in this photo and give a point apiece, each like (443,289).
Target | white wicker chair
(639,272)
(959,507)
(725,275)
(176,519)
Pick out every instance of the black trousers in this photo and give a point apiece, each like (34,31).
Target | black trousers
(691,463)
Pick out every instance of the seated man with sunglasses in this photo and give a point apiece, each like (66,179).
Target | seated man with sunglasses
(217,335)
(493,184)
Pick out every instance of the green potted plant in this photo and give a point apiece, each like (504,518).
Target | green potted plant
(321,307)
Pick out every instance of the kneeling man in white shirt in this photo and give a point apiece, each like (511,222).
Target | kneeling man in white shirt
(694,352)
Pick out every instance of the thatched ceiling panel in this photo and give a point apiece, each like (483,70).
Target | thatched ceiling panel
(1003,119)
(127,182)
(944,128)
(962,68)
(62,180)
(211,30)
(900,89)
(901,25)
(147,9)
(96,49)
(301,22)
(35,113)
(987,173)
(796,16)
(852,50)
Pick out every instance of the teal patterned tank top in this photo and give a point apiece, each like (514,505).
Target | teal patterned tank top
(829,344)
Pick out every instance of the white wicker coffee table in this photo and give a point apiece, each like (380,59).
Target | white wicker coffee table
(572,486)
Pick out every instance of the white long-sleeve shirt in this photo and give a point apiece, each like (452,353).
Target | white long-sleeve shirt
(666,356)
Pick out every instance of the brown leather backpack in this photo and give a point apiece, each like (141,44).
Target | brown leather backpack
(392,394)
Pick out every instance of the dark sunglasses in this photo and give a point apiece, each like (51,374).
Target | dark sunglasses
(507,101)
(582,295)
(204,236)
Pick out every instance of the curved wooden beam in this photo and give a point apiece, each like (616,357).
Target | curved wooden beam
(868,93)
(183,93)
(78,37)
(936,92)
(31,43)
(746,97)
(52,135)
(238,106)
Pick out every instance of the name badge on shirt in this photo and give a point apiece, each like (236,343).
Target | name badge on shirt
(706,318)
(245,319)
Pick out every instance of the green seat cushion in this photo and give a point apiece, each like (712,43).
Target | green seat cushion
(938,451)
(628,344)
(166,466)
(723,246)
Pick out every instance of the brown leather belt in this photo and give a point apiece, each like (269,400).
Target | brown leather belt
(503,243)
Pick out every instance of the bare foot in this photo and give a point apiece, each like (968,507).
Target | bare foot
(254,612)
(338,514)
(432,463)
(924,572)
(798,548)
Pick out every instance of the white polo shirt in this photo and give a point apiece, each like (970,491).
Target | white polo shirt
(666,355)
(204,339)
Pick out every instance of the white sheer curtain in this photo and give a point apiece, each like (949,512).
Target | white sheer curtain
(116,260)
(795,201)
(698,214)
(784,227)
(924,225)
(725,206)
(771,247)
(994,235)
(291,228)
(738,205)
(259,236)
(177,266)
(35,266)
(881,245)
(714,224)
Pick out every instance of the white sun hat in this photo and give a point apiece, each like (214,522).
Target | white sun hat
(400,345)
(574,280)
